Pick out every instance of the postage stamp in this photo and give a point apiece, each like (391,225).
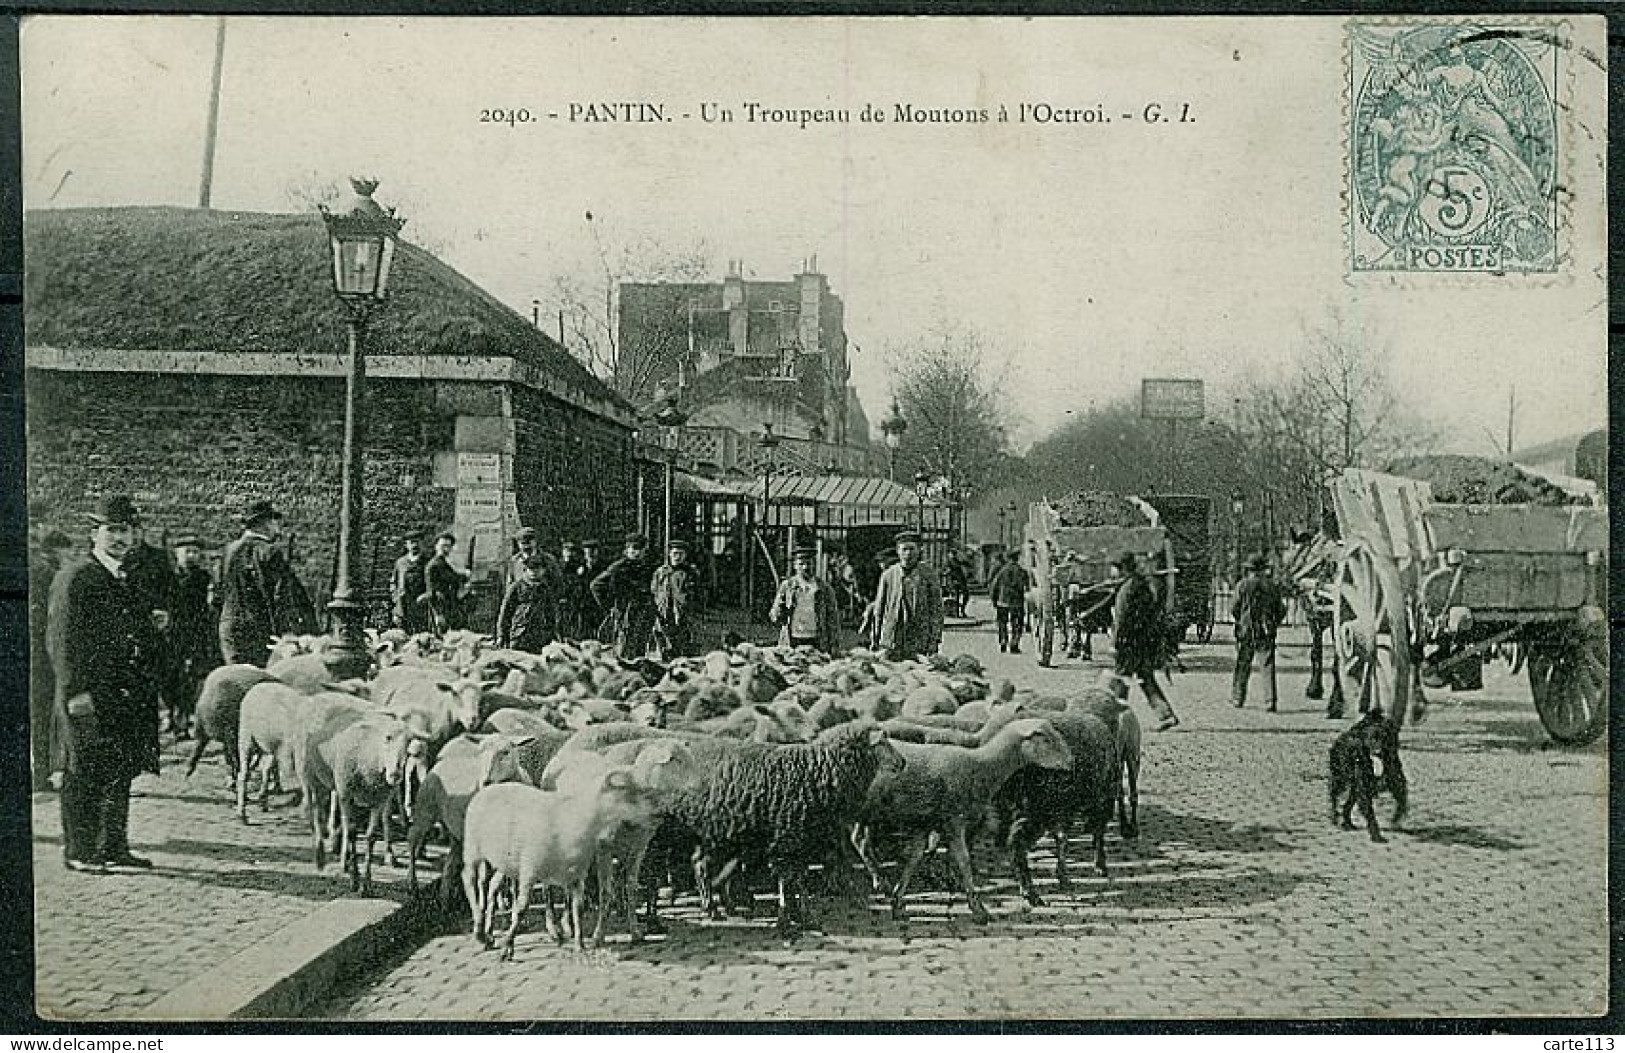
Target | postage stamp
(1452,147)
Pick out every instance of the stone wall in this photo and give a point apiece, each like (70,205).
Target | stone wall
(572,471)
(193,450)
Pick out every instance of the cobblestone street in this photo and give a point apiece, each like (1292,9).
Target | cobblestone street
(1240,899)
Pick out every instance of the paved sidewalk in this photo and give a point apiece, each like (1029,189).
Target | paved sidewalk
(111,946)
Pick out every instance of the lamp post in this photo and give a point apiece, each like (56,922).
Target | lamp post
(361,238)
(1238,507)
(671,418)
(921,481)
(767,442)
(893,428)
(1015,526)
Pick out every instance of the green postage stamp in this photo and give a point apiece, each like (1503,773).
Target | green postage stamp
(1453,153)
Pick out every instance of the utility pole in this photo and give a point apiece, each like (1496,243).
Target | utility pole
(206,186)
(1512,410)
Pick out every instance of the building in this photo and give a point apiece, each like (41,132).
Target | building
(743,354)
(195,360)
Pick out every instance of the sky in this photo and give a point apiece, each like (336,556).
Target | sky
(1087,256)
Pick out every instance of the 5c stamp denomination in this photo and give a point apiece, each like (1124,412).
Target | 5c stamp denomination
(1453,147)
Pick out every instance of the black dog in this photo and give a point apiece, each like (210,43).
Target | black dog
(1353,772)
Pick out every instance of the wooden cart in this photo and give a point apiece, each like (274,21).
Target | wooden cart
(1424,583)
(1048,543)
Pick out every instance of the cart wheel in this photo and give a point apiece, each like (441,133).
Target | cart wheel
(1568,676)
(1370,625)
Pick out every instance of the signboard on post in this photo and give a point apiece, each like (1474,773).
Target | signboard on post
(1166,399)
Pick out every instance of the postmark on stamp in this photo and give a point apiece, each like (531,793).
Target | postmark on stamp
(1452,146)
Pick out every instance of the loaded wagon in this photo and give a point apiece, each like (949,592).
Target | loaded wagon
(1187,520)
(1059,555)
(1425,584)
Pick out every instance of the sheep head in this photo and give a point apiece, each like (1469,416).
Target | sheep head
(499,760)
(1041,744)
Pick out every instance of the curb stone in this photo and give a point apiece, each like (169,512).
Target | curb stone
(285,975)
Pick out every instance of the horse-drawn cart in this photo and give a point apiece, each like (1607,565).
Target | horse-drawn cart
(1060,555)
(1422,584)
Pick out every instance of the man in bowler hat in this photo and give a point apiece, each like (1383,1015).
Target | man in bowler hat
(260,597)
(104,648)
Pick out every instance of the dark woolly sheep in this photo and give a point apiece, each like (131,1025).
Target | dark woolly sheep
(1037,801)
(782,807)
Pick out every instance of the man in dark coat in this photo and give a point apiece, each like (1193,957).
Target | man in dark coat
(672,587)
(624,590)
(526,619)
(593,615)
(194,638)
(1008,591)
(406,588)
(444,586)
(44,562)
(103,642)
(260,597)
(572,594)
(1258,611)
(1137,635)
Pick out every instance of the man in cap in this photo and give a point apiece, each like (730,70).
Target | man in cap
(104,648)
(194,636)
(1138,634)
(1008,591)
(806,607)
(672,589)
(527,548)
(1258,611)
(525,621)
(407,585)
(444,585)
(260,596)
(908,604)
(45,561)
(571,592)
(624,589)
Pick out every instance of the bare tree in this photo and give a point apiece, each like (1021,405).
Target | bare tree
(590,304)
(958,417)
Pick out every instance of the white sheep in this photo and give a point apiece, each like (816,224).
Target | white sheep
(514,832)
(356,759)
(266,727)
(660,764)
(466,764)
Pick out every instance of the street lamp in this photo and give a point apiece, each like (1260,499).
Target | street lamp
(362,238)
(1015,525)
(672,419)
(1238,507)
(893,428)
(921,482)
(767,442)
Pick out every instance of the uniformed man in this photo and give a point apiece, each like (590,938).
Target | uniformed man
(103,641)
(260,596)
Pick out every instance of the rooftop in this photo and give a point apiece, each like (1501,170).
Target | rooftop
(179,279)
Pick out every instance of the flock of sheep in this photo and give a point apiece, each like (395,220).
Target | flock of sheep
(735,770)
